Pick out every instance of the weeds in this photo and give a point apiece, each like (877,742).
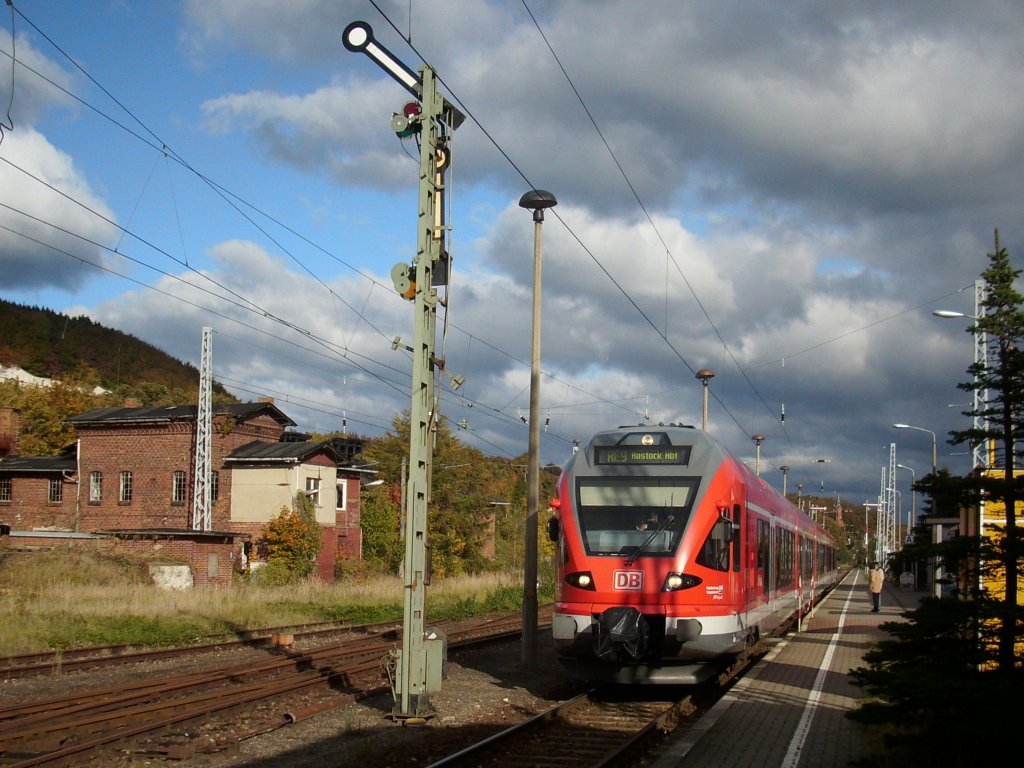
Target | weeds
(70,598)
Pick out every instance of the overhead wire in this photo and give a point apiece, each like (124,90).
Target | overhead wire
(223,192)
(662,334)
(469,114)
(7,124)
(358,313)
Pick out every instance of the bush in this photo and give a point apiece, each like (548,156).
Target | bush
(292,540)
(275,573)
(347,569)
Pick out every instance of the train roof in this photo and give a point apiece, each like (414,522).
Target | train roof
(645,448)
(654,438)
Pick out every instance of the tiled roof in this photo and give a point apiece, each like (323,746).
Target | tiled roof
(281,453)
(241,411)
(39,464)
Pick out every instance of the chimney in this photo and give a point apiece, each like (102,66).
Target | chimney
(266,399)
(132,402)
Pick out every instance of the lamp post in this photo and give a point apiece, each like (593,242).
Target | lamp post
(922,429)
(913,500)
(705,375)
(535,200)
(785,472)
(758,439)
(822,461)
(937,527)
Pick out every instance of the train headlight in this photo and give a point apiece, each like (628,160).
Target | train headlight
(677,581)
(581,580)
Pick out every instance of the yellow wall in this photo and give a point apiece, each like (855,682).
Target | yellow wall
(257,495)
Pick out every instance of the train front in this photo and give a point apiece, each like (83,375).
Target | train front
(648,537)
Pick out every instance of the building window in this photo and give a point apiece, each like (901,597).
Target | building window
(178,488)
(5,489)
(95,487)
(342,495)
(313,490)
(214,485)
(126,487)
(56,491)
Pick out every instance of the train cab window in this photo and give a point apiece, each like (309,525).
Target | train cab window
(714,553)
(634,516)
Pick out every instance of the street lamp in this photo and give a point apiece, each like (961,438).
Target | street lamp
(785,472)
(758,439)
(913,498)
(535,200)
(921,429)
(705,375)
(822,461)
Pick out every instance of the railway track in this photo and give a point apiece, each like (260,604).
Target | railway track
(591,730)
(94,657)
(607,726)
(176,716)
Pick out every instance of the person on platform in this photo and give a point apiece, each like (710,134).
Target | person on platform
(876,577)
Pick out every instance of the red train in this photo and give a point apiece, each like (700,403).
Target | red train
(673,556)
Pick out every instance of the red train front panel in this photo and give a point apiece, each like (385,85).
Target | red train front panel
(658,560)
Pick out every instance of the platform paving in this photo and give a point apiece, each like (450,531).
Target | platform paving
(790,710)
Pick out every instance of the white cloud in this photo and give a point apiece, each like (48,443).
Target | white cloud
(39,189)
(779,192)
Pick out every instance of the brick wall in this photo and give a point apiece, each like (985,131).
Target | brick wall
(348,521)
(211,559)
(152,453)
(30,506)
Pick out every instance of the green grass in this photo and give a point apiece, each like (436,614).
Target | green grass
(69,599)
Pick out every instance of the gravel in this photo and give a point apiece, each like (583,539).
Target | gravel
(486,690)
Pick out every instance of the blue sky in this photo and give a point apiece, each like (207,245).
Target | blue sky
(781,192)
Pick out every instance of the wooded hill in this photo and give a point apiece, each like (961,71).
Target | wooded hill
(80,355)
(55,346)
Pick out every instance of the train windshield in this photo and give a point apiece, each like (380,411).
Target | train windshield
(635,515)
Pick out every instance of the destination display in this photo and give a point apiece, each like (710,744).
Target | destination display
(641,454)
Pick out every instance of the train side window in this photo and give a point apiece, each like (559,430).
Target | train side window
(714,553)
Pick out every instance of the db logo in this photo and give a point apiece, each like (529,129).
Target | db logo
(628,580)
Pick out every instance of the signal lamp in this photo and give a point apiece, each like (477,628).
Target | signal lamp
(581,580)
(407,123)
(677,581)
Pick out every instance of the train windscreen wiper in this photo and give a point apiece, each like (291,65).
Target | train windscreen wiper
(647,542)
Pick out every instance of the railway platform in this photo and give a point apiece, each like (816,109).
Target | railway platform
(790,710)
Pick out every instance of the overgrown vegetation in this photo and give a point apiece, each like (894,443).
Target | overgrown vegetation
(292,542)
(73,598)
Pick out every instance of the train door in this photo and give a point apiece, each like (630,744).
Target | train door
(737,588)
(750,556)
(764,569)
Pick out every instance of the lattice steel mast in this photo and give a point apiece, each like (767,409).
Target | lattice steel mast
(202,518)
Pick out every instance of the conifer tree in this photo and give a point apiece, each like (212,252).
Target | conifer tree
(1000,375)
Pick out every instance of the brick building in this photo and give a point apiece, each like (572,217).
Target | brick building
(131,476)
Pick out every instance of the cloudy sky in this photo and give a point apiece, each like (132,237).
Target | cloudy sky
(782,192)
